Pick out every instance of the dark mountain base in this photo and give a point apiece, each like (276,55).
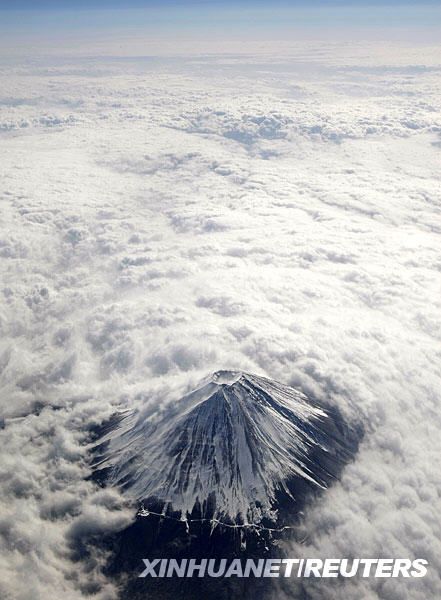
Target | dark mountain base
(152,537)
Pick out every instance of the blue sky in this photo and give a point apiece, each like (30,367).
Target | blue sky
(93,4)
(197,15)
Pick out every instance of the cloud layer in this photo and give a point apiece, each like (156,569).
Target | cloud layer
(161,219)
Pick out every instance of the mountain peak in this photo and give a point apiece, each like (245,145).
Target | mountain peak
(232,448)
(226,377)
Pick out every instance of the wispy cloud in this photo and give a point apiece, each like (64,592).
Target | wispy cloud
(273,209)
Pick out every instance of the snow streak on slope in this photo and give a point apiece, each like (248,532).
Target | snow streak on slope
(229,447)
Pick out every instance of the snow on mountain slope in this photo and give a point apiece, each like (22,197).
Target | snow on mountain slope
(228,447)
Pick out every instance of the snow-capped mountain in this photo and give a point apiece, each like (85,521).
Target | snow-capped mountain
(230,447)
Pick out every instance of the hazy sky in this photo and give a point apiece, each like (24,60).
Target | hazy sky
(202,15)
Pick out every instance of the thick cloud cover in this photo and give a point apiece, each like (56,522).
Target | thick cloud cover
(276,211)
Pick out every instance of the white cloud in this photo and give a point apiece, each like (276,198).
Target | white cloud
(162,221)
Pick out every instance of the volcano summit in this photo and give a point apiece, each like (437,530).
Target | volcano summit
(239,449)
